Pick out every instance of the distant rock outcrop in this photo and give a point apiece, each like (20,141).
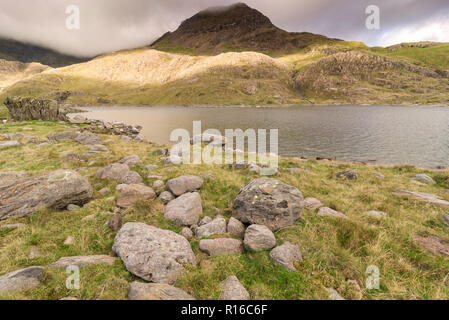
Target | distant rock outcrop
(26,109)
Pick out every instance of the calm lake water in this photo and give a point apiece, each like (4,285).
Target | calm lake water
(389,135)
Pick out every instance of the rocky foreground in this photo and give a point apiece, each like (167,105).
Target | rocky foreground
(96,196)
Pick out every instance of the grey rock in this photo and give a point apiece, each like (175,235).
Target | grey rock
(156,291)
(119,172)
(185,210)
(7,144)
(166,197)
(56,190)
(158,184)
(334,295)
(349,174)
(21,280)
(375,214)
(96,148)
(428,198)
(434,245)
(130,193)
(104,191)
(269,202)
(61,136)
(26,109)
(312,204)
(286,255)
(259,238)
(162,152)
(446,219)
(132,161)
(153,254)
(184,184)
(232,289)
(115,223)
(208,176)
(187,233)
(73,157)
(11,176)
(204,221)
(83,261)
(88,138)
(379,175)
(328,212)
(12,226)
(221,246)
(424,178)
(151,167)
(73,207)
(236,228)
(216,226)
(69,241)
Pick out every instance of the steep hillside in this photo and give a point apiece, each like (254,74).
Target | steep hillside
(147,77)
(234,28)
(17,51)
(14,71)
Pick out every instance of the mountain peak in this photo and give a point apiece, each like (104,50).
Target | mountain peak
(232,28)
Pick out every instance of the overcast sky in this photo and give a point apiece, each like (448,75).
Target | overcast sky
(109,25)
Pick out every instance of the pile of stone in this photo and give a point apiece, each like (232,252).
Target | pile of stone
(117,128)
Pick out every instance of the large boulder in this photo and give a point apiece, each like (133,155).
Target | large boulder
(119,172)
(20,280)
(88,139)
(185,210)
(61,136)
(269,202)
(130,193)
(11,176)
(181,185)
(259,238)
(56,190)
(132,161)
(26,109)
(153,254)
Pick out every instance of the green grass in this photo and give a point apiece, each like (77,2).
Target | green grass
(334,251)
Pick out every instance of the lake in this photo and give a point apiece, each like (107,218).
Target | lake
(388,135)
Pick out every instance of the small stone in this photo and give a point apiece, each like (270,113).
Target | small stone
(379,175)
(259,238)
(236,228)
(221,246)
(349,174)
(186,233)
(312,204)
(12,226)
(286,255)
(184,184)
(156,291)
(424,178)
(115,223)
(69,241)
(376,214)
(129,194)
(158,184)
(204,221)
(83,261)
(434,245)
(232,289)
(119,172)
(428,198)
(334,295)
(166,197)
(216,226)
(73,207)
(151,167)
(131,161)
(446,219)
(328,212)
(21,280)
(185,210)
(208,176)
(8,144)
(35,253)
(104,191)
(162,152)
(89,218)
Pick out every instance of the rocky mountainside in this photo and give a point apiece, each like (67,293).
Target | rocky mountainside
(12,50)
(238,26)
(236,56)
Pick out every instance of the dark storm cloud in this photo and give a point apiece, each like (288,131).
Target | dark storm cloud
(108,25)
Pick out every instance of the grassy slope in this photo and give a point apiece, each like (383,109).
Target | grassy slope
(334,250)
